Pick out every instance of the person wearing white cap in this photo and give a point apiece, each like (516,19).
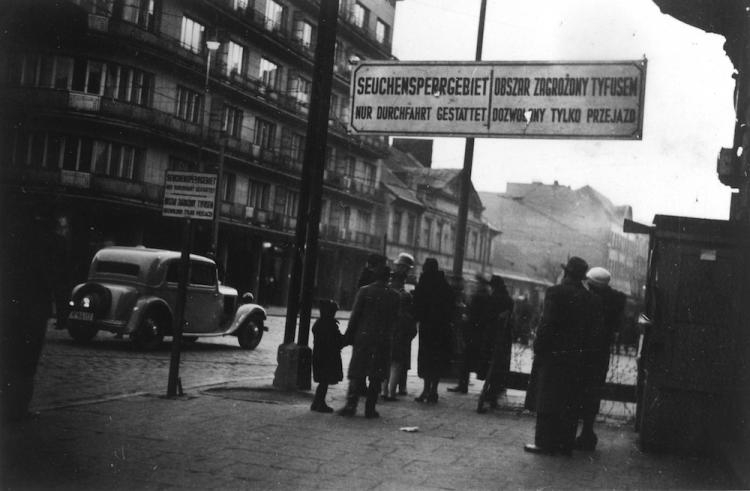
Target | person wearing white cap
(610,306)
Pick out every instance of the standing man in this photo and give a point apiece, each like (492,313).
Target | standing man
(596,359)
(370,332)
(555,385)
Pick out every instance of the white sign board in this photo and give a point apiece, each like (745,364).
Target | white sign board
(499,99)
(189,194)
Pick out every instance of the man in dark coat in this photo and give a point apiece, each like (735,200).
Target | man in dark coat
(368,273)
(470,331)
(596,359)
(555,384)
(370,332)
(496,343)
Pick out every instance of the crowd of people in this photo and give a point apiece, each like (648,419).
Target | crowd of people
(571,345)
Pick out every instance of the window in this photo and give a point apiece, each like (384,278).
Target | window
(235,57)
(360,15)
(297,148)
(437,243)
(188,104)
(369,172)
(381,32)
(140,12)
(232,121)
(333,108)
(191,36)
(269,73)
(258,193)
(202,274)
(300,89)
(365,221)
(63,72)
(427,233)
(275,16)
(240,4)
(303,33)
(265,133)
(287,202)
(396,232)
(411,225)
(473,244)
(228,186)
(129,85)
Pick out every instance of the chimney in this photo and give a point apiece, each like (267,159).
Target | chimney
(420,148)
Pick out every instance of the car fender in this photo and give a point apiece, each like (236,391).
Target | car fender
(243,312)
(140,308)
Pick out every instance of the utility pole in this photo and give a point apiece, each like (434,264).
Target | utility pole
(463,206)
(293,370)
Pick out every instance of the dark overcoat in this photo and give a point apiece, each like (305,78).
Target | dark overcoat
(326,358)
(405,330)
(608,307)
(370,331)
(555,384)
(495,337)
(433,305)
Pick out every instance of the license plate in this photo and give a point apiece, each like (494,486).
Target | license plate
(81,316)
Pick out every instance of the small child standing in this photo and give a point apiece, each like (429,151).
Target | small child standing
(326,358)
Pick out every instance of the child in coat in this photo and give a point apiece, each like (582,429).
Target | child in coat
(326,358)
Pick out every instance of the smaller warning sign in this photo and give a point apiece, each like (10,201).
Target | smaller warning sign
(189,194)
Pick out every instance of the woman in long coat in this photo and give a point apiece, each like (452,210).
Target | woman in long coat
(433,307)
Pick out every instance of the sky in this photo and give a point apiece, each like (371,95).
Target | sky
(688,109)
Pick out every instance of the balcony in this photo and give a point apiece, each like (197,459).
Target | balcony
(332,233)
(84,183)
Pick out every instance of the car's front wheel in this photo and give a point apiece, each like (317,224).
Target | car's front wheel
(81,333)
(250,333)
(150,332)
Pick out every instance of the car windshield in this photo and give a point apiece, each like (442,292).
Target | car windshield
(116,267)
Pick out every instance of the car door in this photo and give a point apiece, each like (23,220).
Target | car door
(204,302)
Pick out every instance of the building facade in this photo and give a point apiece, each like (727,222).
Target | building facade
(101,97)
(543,225)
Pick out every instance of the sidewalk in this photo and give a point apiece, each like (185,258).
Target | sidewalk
(246,435)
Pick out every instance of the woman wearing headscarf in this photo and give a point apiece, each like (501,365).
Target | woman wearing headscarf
(433,308)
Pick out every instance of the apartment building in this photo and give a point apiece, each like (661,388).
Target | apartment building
(101,97)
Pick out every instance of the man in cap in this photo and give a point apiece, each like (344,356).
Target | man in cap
(611,305)
(555,382)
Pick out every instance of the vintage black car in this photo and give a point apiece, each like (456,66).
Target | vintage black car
(132,291)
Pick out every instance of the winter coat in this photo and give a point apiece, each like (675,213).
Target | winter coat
(555,384)
(433,306)
(495,336)
(326,357)
(610,305)
(405,330)
(370,331)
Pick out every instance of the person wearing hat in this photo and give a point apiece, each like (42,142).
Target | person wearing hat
(404,331)
(368,273)
(370,332)
(326,355)
(555,385)
(611,306)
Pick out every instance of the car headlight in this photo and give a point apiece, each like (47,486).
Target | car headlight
(86,302)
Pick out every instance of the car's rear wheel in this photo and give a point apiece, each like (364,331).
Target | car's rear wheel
(81,333)
(250,333)
(150,332)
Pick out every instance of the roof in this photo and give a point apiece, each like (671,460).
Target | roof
(398,188)
(142,255)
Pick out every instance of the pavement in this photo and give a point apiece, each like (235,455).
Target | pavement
(244,434)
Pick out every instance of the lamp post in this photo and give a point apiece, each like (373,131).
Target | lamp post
(213,46)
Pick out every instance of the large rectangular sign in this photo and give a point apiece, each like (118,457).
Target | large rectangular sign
(189,194)
(499,99)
